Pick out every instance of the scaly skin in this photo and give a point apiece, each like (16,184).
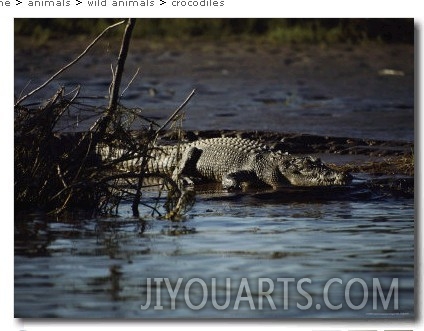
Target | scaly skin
(238,163)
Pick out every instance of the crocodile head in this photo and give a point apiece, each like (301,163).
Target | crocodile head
(310,171)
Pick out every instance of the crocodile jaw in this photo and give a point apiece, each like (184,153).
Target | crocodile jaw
(319,179)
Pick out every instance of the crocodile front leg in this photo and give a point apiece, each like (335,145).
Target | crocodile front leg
(186,168)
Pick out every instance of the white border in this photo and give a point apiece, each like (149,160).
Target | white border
(233,8)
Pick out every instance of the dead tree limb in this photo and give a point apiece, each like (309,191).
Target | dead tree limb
(116,83)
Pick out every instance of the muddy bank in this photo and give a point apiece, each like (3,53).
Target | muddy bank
(360,91)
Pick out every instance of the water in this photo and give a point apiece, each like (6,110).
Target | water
(100,268)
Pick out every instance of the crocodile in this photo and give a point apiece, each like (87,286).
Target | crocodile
(237,163)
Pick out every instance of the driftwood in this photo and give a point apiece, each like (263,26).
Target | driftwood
(59,172)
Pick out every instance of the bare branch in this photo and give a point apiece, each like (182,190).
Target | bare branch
(130,82)
(113,102)
(174,115)
(68,65)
